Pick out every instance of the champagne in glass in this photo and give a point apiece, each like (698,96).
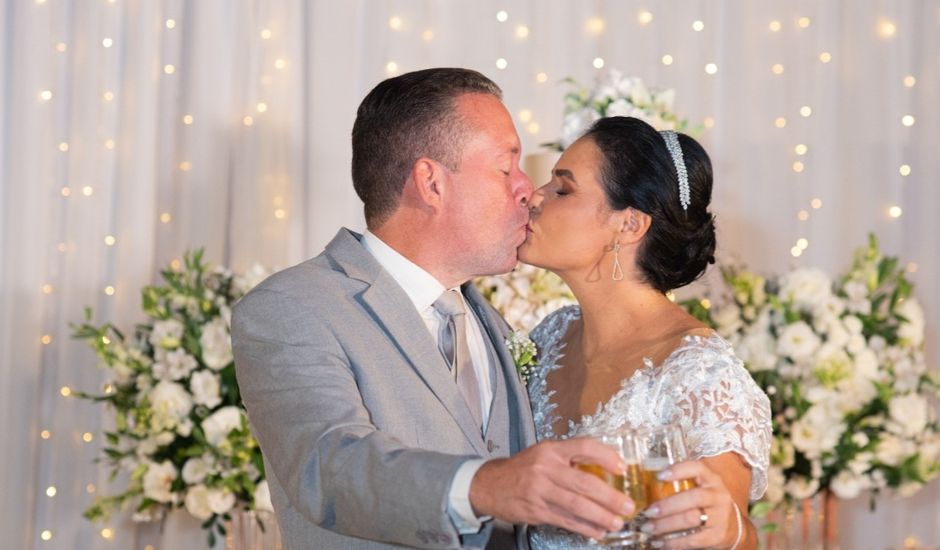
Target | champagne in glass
(629,482)
(665,446)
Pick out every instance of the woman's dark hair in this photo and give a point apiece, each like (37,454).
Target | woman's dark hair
(638,171)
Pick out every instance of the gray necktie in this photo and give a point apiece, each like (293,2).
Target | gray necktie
(452,342)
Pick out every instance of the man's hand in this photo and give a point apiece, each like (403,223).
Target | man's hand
(540,485)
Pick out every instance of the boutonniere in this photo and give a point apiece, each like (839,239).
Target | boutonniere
(523,353)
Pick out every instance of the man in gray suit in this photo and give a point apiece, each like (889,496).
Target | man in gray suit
(376,378)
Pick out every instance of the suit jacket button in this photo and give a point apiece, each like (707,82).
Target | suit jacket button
(490,445)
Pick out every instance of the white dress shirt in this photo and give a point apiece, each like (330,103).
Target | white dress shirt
(423,290)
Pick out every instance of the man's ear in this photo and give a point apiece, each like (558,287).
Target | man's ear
(428,183)
(633,225)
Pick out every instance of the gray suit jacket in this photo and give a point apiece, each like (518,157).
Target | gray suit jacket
(361,425)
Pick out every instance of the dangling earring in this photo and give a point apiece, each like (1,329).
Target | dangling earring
(618,271)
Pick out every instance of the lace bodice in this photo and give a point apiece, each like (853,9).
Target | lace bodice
(702,385)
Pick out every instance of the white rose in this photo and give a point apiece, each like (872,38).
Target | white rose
(852,324)
(855,344)
(185,427)
(174,365)
(848,485)
(775,484)
(639,94)
(728,318)
(171,403)
(910,414)
(577,123)
(913,330)
(665,99)
(262,497)
(197,502)
(216,344)
(166,334)
(221,500)
(798,341)
(218,425)
(866,364)
(196,469)
(757,350)
(157,481)
(832,308)
(806,288)
(891,450)
(857,294)
(619,107)
(800,487)
(205,387)
(246,281)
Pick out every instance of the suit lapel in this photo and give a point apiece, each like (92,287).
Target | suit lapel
(390,307)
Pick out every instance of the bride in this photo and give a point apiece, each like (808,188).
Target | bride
(624,220)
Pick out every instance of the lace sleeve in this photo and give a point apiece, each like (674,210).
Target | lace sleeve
(719,405)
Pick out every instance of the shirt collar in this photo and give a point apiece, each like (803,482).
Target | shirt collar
(420,286)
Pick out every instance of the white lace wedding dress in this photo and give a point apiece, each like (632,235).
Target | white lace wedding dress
(702,385)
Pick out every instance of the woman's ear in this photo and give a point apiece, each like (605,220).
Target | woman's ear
(634,226)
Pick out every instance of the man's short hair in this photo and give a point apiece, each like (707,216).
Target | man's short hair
(405,118)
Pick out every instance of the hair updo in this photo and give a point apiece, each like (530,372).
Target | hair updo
(637,171)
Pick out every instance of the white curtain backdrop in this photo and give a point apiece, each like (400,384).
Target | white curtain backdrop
(131,131)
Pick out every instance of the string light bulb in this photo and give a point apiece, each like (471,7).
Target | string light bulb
(541,78)
(107,42)
(280,64)
(265,34)
(895,211)
(905,170)
(65,391)
(777,68)
(802,215)
(698,26)
(803,22)
(394,23)
(806,111)
(816,204)
(61,47)
(644,17)
(169,69)
(522,31)
(886,29)
(533,128)
(800,149)
(825,57)
(47,534)
(427,35)
(667,60)
(50,491)
(110,240)
(502,16)
(598,62)
(187,119)
(170,23)
(45,434)
(780,122)
(88,190)
(45,95)
(525,115)
(64,147)
(775,26)
(595,25)
(711,68)
(909,81)
(501,63)
(109,290)
(907,120)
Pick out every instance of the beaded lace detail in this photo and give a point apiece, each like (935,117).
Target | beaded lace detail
(702,385)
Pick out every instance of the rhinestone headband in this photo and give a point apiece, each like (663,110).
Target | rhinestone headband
(672,143)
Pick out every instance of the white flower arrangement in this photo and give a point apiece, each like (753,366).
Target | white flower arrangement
(525,295)
(843,364)
(180,430)
(616,95)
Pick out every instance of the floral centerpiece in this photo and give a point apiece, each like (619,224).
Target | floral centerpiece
(843,364)
(180,431)
(616,95)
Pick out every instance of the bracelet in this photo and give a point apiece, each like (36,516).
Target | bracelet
(737,515)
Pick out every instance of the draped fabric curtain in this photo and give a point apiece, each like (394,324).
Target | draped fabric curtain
(131,131)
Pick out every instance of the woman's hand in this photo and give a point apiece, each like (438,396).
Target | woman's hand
(709,508)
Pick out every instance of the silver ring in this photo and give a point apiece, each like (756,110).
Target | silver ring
(702,518)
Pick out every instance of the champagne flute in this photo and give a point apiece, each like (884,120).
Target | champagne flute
(665,446)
